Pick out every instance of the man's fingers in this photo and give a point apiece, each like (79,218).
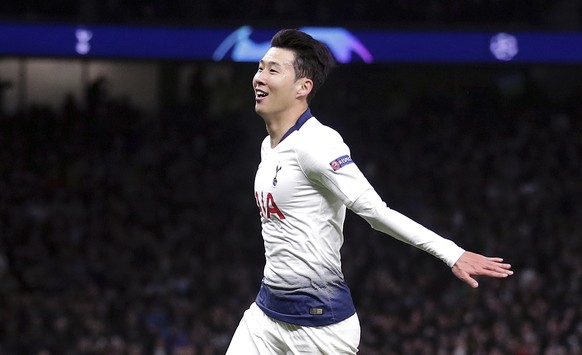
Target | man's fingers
(465,277)
(494,273)
(504,269)
(472,264)
(471,281)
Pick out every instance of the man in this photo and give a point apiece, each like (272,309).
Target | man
(304,183)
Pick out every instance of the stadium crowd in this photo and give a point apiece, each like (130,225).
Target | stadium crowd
(127,234)
(510,14)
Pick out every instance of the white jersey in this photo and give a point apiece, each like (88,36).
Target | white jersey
(302,189)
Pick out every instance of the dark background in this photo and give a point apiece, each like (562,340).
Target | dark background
(123,232)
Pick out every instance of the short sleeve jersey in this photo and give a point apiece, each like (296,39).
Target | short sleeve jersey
(302,188)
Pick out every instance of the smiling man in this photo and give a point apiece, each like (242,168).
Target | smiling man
(305,182)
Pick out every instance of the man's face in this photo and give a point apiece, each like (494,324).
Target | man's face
(274,83)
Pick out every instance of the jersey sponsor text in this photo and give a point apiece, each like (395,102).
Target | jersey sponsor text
(267,206)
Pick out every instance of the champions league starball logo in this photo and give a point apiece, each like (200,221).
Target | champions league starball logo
(504,46)
(341,42)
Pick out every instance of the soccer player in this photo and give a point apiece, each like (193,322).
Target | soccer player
(305,181)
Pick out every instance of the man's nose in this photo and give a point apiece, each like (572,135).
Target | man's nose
(259,78)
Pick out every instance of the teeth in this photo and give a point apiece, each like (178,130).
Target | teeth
(261,93)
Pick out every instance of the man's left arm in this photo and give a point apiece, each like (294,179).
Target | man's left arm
(464,264)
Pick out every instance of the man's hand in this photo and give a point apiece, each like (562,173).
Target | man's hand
(471,264)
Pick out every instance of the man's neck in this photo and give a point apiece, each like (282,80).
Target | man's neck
(277,126)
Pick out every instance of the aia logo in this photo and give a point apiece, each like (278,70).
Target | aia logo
(267,205)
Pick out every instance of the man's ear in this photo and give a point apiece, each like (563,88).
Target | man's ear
(305,87)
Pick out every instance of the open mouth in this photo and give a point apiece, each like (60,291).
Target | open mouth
(260,94)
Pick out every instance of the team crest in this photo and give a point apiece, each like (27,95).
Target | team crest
(341,162)
(276,172)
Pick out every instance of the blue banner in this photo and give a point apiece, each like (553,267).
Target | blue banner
(247,44)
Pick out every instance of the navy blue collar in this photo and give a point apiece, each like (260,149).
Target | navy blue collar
(302,119)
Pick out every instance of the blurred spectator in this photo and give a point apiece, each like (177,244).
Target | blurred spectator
(411,13)
(126,235)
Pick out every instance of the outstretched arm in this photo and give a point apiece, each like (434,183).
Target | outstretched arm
(351,186)
(464,264)
(472,264)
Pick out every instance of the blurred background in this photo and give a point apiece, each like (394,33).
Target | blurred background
(127,216)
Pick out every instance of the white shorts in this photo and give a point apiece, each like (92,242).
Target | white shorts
(258,334)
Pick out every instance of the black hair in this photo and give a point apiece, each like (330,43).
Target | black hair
(313,59)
